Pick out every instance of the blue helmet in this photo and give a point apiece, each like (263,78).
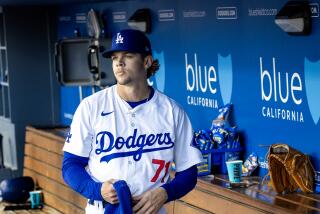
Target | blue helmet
(16,190)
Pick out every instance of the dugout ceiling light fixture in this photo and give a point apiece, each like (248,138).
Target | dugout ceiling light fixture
(141,20)
(295,18)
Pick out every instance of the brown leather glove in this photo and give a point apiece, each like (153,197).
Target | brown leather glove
(289,169)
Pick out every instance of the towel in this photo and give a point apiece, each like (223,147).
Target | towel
(124,196)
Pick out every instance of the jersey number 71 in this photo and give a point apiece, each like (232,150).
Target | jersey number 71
(162,164)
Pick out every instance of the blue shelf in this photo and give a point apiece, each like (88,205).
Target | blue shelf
(221,150)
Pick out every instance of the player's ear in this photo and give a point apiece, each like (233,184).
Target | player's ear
(147,61)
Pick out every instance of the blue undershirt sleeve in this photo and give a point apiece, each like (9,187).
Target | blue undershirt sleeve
(75,175)
(182,183)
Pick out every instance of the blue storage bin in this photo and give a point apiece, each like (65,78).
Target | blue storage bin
(204,168)
(220,156)
(317,182)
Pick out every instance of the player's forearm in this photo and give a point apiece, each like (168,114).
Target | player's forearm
(75,175)
(182,183)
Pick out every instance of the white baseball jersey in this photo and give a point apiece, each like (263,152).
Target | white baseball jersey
(136,145)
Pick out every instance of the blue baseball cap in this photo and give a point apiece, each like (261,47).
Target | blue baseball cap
(130,40)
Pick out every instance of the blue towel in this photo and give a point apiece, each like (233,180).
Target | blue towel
(125,202)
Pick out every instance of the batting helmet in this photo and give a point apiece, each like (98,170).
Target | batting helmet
(16,190)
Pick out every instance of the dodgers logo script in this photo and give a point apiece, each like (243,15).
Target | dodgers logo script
(137,144)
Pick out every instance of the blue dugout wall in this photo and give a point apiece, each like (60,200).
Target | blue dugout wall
(216,52)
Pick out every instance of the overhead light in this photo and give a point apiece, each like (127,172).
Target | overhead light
(295,18)
(141,20)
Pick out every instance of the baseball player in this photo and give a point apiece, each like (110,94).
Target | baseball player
(130,132)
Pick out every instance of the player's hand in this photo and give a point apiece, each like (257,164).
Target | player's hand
(150,202)
(108,192)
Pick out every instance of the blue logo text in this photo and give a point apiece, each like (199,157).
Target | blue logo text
(138,144)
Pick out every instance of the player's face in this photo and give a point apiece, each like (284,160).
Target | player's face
(128,67)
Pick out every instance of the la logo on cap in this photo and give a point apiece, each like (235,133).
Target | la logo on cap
(119,38)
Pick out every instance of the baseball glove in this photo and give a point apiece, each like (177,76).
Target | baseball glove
(289,169)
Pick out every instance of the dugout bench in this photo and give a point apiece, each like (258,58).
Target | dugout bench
(43,159)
